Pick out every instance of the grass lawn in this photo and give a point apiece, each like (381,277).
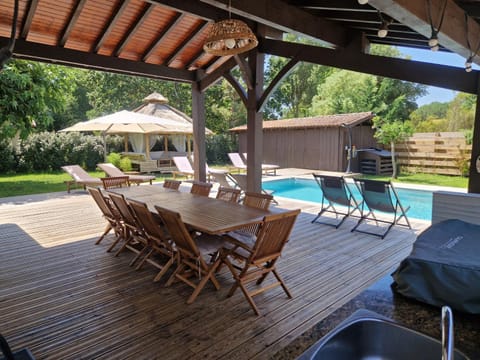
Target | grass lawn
(14,185)
(428,179)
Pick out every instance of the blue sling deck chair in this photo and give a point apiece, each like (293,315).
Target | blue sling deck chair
(380,196)
(335,191)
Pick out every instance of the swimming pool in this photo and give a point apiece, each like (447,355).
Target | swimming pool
(420,201)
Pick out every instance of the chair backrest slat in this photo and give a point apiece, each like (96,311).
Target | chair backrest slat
(115,182)
(172,184)
(228,194)
(257,200)
(272,236)
(178,232)
(151,227)
(124,210)
(100,201)
(201,188)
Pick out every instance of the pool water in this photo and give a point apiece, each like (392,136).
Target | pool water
(420,201)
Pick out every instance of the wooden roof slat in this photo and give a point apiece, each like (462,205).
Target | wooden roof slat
(148,8)
(71,22)
(163,34)
(195,32)
(117,13)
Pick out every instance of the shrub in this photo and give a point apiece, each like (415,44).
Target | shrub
(114,159)
(125,164)
(218,147)
(8,160)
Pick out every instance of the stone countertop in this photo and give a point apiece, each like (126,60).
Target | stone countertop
(381,299)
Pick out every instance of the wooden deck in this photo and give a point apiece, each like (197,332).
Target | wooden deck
(65,298)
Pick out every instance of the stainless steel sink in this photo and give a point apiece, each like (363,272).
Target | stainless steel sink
(369,336)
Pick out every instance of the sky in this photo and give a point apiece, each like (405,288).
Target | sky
(439,57)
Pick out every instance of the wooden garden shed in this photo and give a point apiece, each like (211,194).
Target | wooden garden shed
(317,143)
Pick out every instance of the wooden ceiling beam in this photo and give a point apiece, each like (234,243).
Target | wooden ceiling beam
(117,12)
(63,56)
(448,77)
(72,21)
(207,80)
(32,7)
(163,34)
(342,5)
(288,18)
(133,29)
(453,33)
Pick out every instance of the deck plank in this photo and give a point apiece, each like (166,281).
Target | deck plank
(63,297)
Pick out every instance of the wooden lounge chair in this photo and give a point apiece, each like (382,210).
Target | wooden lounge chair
(380,196)
(185,168)
(110,214)
(335,192)
(80,177)
(112,170)
(158,240)
(266,168)
(172,184)
(190,254)
(260,259)
(237,162)
(201,188)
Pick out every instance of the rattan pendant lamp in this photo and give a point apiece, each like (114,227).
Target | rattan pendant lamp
(229,37)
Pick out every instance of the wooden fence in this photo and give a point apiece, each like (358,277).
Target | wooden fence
(444,153)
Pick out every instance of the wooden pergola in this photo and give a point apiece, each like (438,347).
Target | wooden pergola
(164,39)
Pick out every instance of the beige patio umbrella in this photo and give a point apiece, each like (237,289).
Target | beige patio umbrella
(128,122)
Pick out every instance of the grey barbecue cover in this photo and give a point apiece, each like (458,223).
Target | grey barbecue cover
(443,267)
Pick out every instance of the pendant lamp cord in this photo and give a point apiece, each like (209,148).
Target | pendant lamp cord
(429,11)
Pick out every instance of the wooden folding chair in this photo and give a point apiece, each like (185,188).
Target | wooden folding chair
(190,254)
(201,188)
(158,240)
(228,194)
(115,182)
(133,229)
(172,184)
(114,221)
(259,260)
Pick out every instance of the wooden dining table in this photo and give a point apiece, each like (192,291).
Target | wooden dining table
(205,214)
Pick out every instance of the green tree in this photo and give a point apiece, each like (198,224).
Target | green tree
(31,93)
(461,112)
(390,132)
(108,92)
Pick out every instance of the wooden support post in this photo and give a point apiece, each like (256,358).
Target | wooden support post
(474,176)
(255,123)
(199,148)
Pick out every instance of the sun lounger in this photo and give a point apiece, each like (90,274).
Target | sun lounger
(185,168)
(335,192)
(266,168)
(80,177)
(113,171)
(380,196)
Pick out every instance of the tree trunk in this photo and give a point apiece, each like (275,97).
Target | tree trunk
(394,163)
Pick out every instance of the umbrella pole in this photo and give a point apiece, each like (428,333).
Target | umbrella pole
(147,146)
(125,142)
(104,136)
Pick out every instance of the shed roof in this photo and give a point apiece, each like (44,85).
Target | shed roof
(322,121)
